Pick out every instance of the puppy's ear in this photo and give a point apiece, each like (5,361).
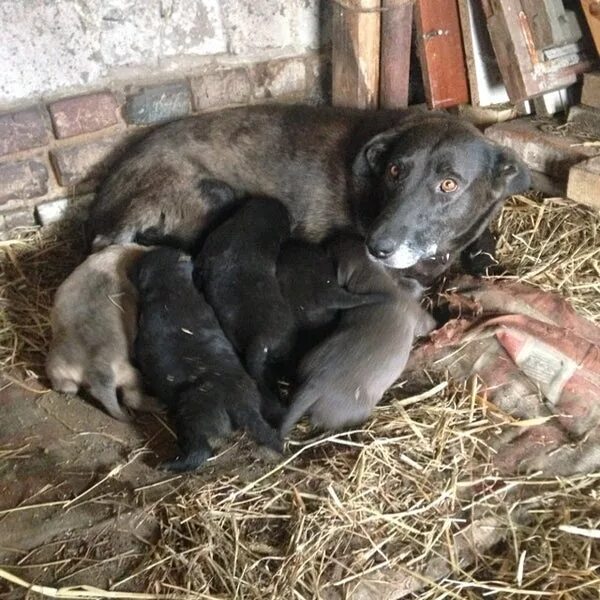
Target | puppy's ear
(370,159)
(510,175)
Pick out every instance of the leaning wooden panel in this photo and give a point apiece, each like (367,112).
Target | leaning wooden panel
(485,81)
(355,53)
(591,9)
(441,53)
(527,70)
(396,33)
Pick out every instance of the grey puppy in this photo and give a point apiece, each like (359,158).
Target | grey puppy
(94,323)
(419,187)
(343,379)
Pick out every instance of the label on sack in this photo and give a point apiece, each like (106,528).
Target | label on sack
(546,366)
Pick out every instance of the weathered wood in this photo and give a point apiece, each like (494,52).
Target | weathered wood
(527,71)
(585,119)
(396,33)
(355,53)
(485,81)
(441,53)
(551,25)
(591,10)
(584,182)
(590,94)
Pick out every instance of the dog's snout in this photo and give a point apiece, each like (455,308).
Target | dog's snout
(382,249)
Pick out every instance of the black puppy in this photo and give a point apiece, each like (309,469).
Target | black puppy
(188,362)
(308,281)
(265,287)
(237,268)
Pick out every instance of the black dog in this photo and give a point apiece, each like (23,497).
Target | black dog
(188,362)
(419,187)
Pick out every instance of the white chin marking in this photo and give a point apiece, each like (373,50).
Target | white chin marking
(403,258)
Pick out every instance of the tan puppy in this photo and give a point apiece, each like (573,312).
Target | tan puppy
(343,379)
(94,323)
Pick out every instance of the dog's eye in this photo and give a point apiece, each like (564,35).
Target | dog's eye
(394,170)
(448,185)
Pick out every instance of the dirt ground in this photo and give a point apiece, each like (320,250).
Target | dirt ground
(80,492)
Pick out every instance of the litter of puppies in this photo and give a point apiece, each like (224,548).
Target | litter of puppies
(357,509)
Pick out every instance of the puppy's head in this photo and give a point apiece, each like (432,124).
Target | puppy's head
(434,183)
(162,268)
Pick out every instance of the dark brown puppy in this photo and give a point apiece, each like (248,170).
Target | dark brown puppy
(189,363)
(343,379)
(419,187)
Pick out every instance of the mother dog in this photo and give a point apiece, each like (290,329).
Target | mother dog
(420,187)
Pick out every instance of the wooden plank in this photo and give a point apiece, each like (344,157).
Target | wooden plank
(441,53)
(551,25)
(396,33)
(591,10)
(485,81)
(355,53)
(590,93)
(527,71)
(584,181)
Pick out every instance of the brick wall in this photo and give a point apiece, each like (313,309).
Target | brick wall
(55,153)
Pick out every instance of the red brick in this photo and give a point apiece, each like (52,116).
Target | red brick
(85,162)
(83,114)
(22,180)
(22,130)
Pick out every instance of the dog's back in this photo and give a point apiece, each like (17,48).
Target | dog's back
(344,378)
(93,328)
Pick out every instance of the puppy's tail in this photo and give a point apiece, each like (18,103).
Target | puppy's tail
(306,396)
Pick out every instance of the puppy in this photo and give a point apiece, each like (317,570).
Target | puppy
(237,268)
(307,277)
(346,376)
(264,287)
(93,329)
(189,364)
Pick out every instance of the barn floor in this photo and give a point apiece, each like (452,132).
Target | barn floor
(382,512)
(78,490)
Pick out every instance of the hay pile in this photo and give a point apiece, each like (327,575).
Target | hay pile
(407,505)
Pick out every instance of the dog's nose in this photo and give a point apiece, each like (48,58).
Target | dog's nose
(382,248)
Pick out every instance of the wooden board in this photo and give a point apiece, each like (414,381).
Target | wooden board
(355,53)
(590,93)
(584,181)
(591,10)
(396,33)
(485,81)
(527,70)
(441,53)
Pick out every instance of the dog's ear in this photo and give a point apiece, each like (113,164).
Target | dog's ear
(370,159)
(510,175)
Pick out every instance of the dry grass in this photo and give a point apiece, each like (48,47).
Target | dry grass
(406,506)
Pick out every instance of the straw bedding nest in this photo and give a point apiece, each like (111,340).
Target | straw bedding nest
(406,504)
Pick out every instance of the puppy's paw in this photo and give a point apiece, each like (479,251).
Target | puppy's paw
(188,462)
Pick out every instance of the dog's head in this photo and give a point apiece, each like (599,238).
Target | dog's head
(433,185)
